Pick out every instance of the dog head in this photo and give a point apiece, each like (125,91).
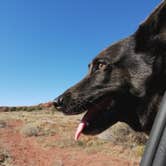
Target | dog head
(125,81)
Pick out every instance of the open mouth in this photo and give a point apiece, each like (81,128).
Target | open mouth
(93,117)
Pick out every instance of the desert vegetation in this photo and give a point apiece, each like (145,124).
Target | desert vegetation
(40,135)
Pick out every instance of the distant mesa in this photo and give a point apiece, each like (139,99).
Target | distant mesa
(41,106)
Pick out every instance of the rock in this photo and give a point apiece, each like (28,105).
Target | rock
(46,105)
(121,133)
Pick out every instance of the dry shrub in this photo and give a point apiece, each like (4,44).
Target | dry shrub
(3,124)
(30,130)
(5,158)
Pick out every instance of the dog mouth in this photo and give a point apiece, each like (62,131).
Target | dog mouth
(94,115)
(100,114)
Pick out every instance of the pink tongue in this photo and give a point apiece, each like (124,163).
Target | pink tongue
(79,130)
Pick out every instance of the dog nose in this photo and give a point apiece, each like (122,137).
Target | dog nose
(58,102)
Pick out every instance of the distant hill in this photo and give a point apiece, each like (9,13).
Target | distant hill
(42,106)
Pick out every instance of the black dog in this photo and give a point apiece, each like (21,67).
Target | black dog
(125,82)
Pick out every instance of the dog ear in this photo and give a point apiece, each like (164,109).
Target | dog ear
(152,29)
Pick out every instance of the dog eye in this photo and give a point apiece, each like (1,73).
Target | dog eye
(101,66)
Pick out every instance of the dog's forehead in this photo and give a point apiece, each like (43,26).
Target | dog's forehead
(116,51)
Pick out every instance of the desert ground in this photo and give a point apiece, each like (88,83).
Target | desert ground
(45,137)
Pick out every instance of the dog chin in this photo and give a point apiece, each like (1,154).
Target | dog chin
(92,131)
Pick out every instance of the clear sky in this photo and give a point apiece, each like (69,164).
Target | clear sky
(46,45)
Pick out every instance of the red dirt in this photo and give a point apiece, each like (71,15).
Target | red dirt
(27,151)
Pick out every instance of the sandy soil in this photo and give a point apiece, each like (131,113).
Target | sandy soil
(46,139)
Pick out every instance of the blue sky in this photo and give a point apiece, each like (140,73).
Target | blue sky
(46,45)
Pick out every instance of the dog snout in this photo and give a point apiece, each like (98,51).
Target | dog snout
(62,101)
(58,102)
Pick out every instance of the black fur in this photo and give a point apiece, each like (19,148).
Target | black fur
(125,82)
